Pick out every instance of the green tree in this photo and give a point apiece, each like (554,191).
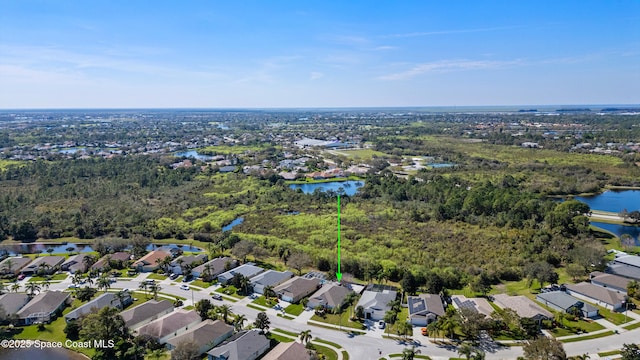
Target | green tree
(105,324)
(32,287)
(482,284)
(575,271)
(544,348)
(410,353)
(238,322)
(72,330)
(633,289)
(262,322)
(630,352)
(224,311)
(202,308)
(185,350)
(305,336)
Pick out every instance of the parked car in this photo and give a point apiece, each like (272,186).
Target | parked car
(277,307)
(173,276)
(72,286)
(21,276)
(424,332)
(187,278)
(381,324)
(184,287)
(216,297)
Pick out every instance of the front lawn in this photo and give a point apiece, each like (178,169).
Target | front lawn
(340,320)
(294,309)
(572,327)
(55,277)
(230,291)
(200,283)
(263,301)
(614,317)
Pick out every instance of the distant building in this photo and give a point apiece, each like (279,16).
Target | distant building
(479,305)
(11,303)
(205,335)
(43,307)
(523,306)
(245,345)
(108,299)
(146,312)
(74,264)
(216,267)
(376,304)
(170,325)
(609,299)
(248,270)
(178,264)
(48,264)
(329,296)
(151,261)
(561,301)
(295,289)
(288,351)
(424,308)
(13,265)
(269,278)
(610,281)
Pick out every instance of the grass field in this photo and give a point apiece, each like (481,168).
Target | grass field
(339,320)
(588,337)
(294,309)
(364,154)
(153,276)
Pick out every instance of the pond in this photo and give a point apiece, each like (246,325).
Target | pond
(72,150)
(614,201)
(619,230)
(230,226)
(344,187)
(34,353)
(194,155)
(441,165)
(37,248)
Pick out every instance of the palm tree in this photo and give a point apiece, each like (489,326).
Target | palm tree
(88,261)
(206,273)
(465,350)
(239,321)
(89,281)
(2,288)
(77,278)
(15,287)
(31,288)
(46,282)
(224,311)
(120,295)
(268,292)
(157,353)
(410,353)
(164,262)
(244,285)
(305,336)
(104,283)
(155,288)
(9,264)
(43,268)
(143,286)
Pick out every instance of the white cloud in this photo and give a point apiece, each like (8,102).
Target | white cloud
(447,32)
(315,75)
(448,66)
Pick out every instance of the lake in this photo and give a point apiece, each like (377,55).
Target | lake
(614,201)
(441,165)
(16,249)
(33,353)
(618,229)
(344,187)
(230,226)
(194,155)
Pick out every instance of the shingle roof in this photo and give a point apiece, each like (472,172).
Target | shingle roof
(480,305)
(248,270)
(298,286)
(17,263)
(145,311)
(631,260)
(596,292)
(425,302)
(564,300)
(288,351)
(45,302)
(189,259)
(152,258)
(49,260)
(216,265)
(169,323)
(241,346)
(522,305)
(271,277)
(104,300)
(377,300)
(610,280)
(12,302)
(625,270)
(331,295)
(203,333)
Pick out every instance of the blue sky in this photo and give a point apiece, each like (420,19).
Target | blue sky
(84,54)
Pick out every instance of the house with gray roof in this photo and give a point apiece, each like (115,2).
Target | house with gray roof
(13,265)
(216,267)
(296,288)
(205,335)
(247,270)
(269,278)
(119,259)
(424,308)
(245,345)
(630,272)
(178,264)
(561,301)
(523,306)
(330,295)
(628,260)
(479,305)
(609,299)
(610,281)
(49,264)
(43,307)
(11,303)
(74,263)
(146,312)
(375,303)
(104,300)
(288,351)
(170,325)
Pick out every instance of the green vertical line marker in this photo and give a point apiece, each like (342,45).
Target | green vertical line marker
(339,273)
